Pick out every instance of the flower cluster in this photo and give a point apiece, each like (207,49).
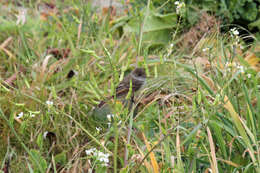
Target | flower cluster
(235,34)
(21,115)
(49,103)
(238,68)
(235,65)
(100,156)
(180,6)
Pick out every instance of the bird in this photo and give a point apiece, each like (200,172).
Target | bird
(138,78)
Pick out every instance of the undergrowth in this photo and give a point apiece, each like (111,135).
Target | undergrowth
(198,111)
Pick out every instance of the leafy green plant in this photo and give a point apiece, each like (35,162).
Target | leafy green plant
(39,161)
(242,12)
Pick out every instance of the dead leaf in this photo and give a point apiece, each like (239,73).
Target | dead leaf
(253,59)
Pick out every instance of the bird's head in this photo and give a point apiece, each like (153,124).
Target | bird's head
(138,73)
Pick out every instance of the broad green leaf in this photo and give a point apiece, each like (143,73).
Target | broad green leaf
(157,27)
(41,161)
(155,22)
(39,141)
(61,158)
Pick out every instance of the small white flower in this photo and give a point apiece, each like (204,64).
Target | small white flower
(234,31)
(49,103)
(205,49)
(90,151)
(20,115)
(102,157)
(171,45)
(110,116)
(176,2)
(45,134)
(98,129)
(241,68)
(248,76)
(33,115)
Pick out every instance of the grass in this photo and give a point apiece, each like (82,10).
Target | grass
(193,117)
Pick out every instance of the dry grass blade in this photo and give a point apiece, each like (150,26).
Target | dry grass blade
(253,60)
(147,164)
(9,81)
(178,148)
(4,44)
(214,164)
(209,82)
(12,78)
(79,32)
(229,162)
(44,66)
(151,155)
